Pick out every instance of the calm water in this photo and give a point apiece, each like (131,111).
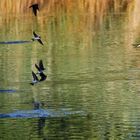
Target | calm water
(91,67)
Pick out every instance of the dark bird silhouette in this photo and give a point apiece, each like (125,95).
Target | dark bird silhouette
(34,8)
(40,67)
(35,79)
(37,37)
(43,76)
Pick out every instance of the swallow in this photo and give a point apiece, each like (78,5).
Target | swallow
(40,67)
(37,37)
(34,8)
(35,79)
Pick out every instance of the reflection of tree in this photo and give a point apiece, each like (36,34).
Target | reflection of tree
(90,6)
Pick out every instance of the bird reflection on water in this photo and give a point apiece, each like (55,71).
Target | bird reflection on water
(15,42)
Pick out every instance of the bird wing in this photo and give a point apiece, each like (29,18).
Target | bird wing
(34,76)
(41,66)
(43,76)
(35,11)
(39,40)
(34,8)
(38,68)
(35,34)
(34,5)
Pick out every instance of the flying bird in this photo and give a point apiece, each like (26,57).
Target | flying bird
(35,79)
(37,37)
(34,8)
(40,67)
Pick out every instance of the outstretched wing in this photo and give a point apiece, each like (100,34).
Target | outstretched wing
(35,11)
(38,68)
(34,76)
(41,66)
(39,40)
(35,34)
(43,76)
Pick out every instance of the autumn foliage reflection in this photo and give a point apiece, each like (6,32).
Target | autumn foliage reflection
(90,6)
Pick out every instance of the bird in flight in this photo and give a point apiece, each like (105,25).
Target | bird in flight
(34,8)
(40,67)
(37,37)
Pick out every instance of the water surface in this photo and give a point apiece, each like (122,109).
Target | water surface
(91,67)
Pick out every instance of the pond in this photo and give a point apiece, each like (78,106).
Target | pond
(93,76)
